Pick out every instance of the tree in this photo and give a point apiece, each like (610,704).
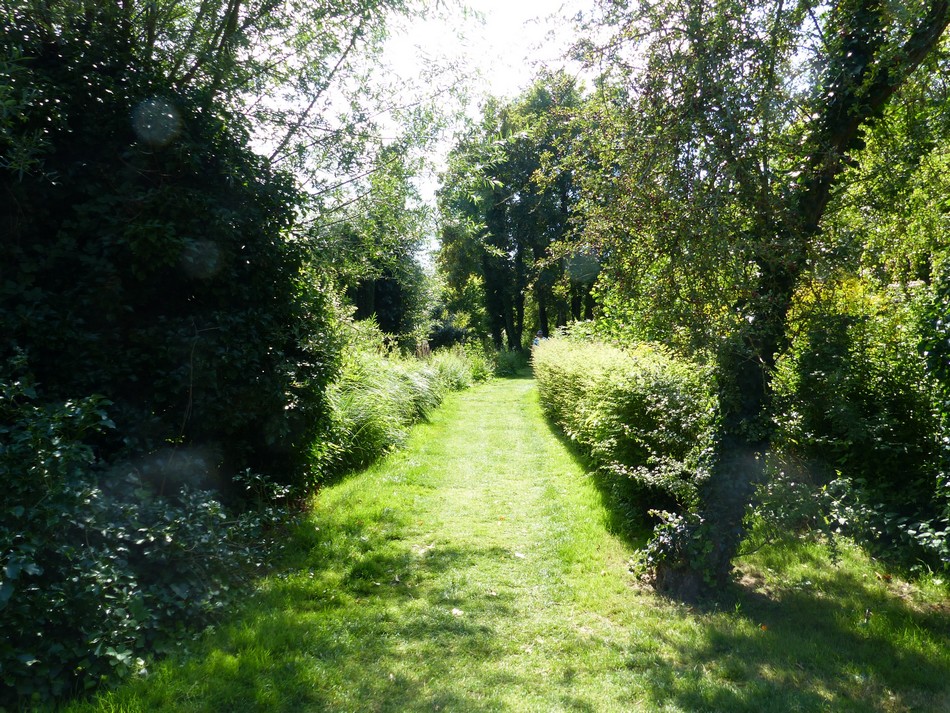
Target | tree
(147,252)
(500,220)
(727,128)
(376,239)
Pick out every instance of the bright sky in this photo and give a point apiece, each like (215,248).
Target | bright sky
(502,50)
(517,36)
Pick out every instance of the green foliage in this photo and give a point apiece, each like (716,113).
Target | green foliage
(501,219)
(859,422)
(916,541)
(96,571)
(376,245)
(508,362)
(454,369)
(380,394)
(156,272)
(483,361)
(854,395)
(680,542)
(725,130)
(642,413)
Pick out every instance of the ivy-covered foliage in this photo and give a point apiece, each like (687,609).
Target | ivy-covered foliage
(641,413)
(145,257)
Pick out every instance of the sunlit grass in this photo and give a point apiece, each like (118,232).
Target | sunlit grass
(481,569)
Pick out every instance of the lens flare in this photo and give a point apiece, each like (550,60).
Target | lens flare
(201,259)
(156,122)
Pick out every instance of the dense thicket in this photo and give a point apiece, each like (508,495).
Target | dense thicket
(170,328)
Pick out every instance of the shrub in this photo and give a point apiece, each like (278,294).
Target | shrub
(854,395)
(453,368)
(859,410)
(509,362)
(483,362)
(96,571)
(641,413)
(156,273)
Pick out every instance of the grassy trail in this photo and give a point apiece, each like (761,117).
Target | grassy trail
(476,571)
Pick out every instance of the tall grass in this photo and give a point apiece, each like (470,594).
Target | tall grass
(381,393)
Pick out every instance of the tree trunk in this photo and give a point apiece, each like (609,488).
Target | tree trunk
(543,322)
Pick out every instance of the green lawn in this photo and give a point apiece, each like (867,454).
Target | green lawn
(481,569)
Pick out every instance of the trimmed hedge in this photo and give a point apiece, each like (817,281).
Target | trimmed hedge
(640,413)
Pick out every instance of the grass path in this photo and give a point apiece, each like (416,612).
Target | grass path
(476,571)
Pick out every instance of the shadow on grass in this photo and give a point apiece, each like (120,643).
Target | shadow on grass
(800,646)
(622,499)
(809,648)
(522,373)
(361,620)
(354,642)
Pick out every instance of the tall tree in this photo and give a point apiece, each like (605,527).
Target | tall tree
(500,218)
(730,126)
(146,253)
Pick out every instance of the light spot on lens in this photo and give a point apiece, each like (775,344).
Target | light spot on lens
(156,122)
(201,259)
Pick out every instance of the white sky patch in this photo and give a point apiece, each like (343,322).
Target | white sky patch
(503,53)
(499,46)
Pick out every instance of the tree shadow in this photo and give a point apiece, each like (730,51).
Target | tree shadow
(367,618)
(801,646)
(810,647)
(622,500)
(371,637)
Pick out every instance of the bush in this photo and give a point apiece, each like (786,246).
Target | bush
(641,413)
(96,571)
(858,410)
(453,368)
(509,362)
(483,361)
(155,272)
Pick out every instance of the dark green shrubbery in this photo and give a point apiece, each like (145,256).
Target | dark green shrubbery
(96,570)
(508,362)
(642,413)
(161,337)
(144,256)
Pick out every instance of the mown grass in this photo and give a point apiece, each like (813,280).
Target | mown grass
(481,569)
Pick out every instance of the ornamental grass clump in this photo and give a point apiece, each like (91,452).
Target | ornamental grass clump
(640,413)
